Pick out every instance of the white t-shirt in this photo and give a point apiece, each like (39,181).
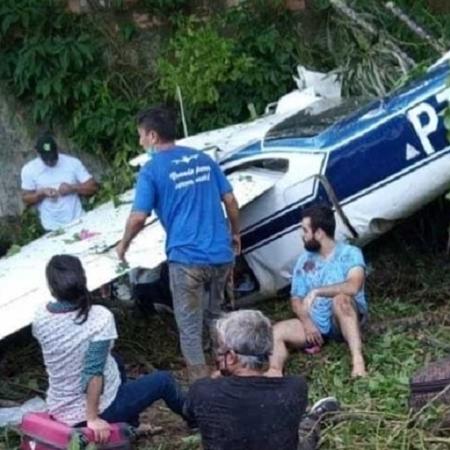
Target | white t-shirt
(64,344)
(56,212)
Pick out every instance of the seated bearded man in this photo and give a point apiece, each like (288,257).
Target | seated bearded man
(327,295)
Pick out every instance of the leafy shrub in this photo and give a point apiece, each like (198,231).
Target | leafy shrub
(200,63)
(269,34)
(56,62)
(240,58)
(165,7)
(54,66)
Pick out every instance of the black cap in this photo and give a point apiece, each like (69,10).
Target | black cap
(47,148)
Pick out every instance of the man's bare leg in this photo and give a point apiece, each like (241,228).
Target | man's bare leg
(346,316)
(287,332)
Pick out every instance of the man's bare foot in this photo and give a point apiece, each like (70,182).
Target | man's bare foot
(359,368)
(273,373)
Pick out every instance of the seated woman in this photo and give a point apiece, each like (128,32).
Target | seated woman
(85,384)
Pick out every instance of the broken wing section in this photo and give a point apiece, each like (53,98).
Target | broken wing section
(93,239)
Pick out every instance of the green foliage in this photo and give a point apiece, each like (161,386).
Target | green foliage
(192,442)
(81,71)
(54,64)
(30,227)
(119,177)
(368,68)
(107,117)
(57,63)
(75,443)
(61,69)
(260,30)
(201,62)
(242,57)
(10,439)
(165,7)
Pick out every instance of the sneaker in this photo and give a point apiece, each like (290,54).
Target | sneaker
(312,350)
(308,433)
(324,406)
(309,428)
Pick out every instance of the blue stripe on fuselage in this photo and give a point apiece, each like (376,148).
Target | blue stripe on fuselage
(286,222)
(370,157)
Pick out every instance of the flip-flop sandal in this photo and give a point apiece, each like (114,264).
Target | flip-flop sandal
(312,350)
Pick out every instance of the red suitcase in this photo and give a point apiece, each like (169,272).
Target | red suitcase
(41,432)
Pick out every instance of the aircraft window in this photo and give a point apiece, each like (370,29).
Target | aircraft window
(272,164)
(316,118)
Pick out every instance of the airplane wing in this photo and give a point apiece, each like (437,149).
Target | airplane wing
(229,138)
(93,239)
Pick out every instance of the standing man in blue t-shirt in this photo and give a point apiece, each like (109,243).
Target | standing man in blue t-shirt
(186,189)
(327,294)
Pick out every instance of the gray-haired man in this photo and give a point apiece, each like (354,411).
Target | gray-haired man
(243,409)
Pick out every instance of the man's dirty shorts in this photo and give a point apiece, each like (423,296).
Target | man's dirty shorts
(335,333)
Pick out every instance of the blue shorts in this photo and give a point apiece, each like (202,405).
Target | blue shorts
(335,333)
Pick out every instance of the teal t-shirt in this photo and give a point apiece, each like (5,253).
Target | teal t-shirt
(312,271)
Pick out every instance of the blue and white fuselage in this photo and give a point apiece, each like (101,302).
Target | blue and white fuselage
(376,166)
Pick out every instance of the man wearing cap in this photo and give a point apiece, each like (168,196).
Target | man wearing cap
(53,182)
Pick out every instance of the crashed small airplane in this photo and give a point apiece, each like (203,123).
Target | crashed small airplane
(376,163)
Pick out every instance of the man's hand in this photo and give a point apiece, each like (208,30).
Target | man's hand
(100,428)
(121,250)
(215,374)
(312,334)
(66,189)
(135,223)
(31,198)
(48,192)
(236,239)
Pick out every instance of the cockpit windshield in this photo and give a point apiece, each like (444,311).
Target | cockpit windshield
(318,117)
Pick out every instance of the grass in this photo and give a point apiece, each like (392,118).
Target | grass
(408,288)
